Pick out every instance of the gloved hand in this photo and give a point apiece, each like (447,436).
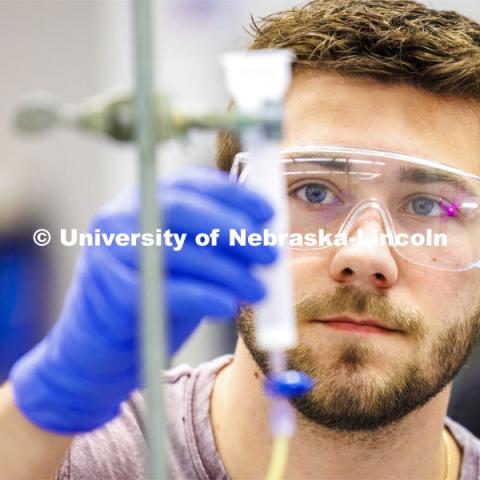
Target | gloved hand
(76,378)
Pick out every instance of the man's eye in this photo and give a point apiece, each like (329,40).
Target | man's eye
(430,207)
(317,193)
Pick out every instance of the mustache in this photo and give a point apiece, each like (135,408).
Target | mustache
(374,304)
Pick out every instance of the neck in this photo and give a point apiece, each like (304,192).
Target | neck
(412,448)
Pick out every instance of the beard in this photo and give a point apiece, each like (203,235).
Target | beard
(348,396)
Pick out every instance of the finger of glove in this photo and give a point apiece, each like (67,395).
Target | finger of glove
(189,300)
(215,184)
(222,270)
(186,296)
(191,213)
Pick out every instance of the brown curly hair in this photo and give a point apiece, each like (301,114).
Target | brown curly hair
(385,40)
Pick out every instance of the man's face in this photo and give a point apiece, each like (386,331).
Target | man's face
(369,378)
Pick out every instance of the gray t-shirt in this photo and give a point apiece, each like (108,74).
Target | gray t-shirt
(117,450)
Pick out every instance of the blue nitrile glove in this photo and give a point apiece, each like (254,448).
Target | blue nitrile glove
(76,378)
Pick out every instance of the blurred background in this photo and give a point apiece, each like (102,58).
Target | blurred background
(75,49)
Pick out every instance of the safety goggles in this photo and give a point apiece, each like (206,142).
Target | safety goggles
(430,211)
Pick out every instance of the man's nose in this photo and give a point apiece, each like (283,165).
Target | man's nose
(367,263)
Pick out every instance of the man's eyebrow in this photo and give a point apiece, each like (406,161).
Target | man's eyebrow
(330,163)
(424,175)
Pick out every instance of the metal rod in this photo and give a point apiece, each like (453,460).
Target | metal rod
(153,318)
(113,116)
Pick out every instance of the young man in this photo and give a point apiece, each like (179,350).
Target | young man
(382,331)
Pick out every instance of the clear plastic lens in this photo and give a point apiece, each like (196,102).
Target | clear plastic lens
(424,200)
